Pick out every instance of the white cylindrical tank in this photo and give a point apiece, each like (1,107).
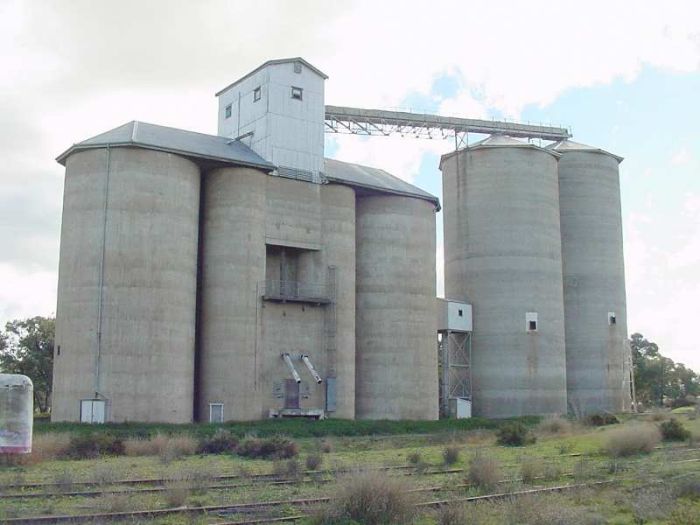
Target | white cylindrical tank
(503,255)
(125,321)
(594,279)
(233,266)
(16,414)
(396,356)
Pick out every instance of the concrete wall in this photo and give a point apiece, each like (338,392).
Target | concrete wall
(396,359)
(149,262)
(594,281)
(233,265)
(503,255)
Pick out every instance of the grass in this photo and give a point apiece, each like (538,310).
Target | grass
(550,453)
(294,428)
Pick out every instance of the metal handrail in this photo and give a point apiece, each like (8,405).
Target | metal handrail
(296,291)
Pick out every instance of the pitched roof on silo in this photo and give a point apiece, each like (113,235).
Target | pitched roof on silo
(569,145)
(172,140)
(499,141)
(375,179)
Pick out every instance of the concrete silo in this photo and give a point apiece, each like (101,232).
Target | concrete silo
(232,266)
(594,279)
(125,321)
(396,361)
(503,255)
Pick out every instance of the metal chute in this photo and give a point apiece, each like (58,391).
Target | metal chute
(288,360)
(312,370)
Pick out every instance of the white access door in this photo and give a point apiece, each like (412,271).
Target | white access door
(92,411)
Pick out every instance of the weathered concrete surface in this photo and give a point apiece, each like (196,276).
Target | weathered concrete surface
(233,265)
(396,359)
(503,255)
(146,365)
(594,281)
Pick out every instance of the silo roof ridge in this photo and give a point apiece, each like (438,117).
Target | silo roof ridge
(173,140)
(359,176)
(569,145)
(499,141)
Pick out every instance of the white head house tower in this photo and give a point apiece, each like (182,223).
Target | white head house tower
(278,111)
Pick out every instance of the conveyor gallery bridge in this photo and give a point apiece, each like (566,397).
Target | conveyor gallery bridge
(359,121)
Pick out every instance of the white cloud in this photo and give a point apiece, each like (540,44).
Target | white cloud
(26,293)
(681,157)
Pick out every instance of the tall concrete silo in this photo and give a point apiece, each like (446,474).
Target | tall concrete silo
(396,361)
(125,321)
(503,255)
(594,278)
(233,265)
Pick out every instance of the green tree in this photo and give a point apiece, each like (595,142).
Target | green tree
(658,378)
(26,347)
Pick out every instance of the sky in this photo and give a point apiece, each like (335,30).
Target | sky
(624,76)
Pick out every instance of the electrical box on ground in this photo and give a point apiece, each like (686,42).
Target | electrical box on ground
(92,410)
(460,408)
(454,316)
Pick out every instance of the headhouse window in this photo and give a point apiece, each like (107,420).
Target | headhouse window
(297,67)
(297,93)
(227,111)
(612,318)
(257,93)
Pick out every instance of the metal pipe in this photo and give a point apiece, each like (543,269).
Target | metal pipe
(307,362)
(287,359)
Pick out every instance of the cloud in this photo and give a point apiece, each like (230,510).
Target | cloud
(681,157)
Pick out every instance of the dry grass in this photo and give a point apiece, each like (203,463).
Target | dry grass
(47,447)
(167,448)
(530,469)
(554,426)
(114,502)
(484,471)
(370,498)
(631,440)
(314,461)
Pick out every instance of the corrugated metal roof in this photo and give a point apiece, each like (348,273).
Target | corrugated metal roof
(173,140)
(373,179)
(569,145)
(499,141)
(274,63)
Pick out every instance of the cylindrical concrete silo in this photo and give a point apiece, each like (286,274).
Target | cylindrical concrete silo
(594,278)
(338,229)
(125,321)
(396,361)
(503,255)
(232,266)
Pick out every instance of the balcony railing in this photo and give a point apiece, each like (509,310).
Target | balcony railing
(296,292)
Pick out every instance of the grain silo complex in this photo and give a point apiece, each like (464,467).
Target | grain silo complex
(243,275)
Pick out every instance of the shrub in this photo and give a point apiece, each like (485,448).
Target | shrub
(530,469)
(63,480)
(369,498)
(414,458)
(140,447)
(484,471)
(450,455)
(682,402)
(631,440)
(221,442)
(88,446)
(514,434)
(554,425)
(273,448)
(599,420)
(326,447)
(105,474)
(313,461)
(673,430)
(452,514)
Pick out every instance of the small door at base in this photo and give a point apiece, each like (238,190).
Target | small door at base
(291,393)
